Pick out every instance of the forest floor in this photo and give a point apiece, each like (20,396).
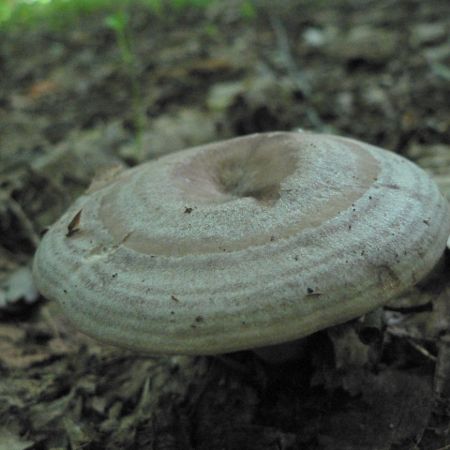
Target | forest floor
(74,102)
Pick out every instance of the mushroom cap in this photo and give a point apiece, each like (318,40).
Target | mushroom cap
(244,243)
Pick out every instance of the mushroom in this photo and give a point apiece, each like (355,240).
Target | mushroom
(242,244)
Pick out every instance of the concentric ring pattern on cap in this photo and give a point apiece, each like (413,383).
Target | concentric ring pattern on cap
(243,243)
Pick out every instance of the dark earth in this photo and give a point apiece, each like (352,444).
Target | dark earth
(76,101)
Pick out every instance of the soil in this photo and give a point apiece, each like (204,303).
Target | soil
(73,103)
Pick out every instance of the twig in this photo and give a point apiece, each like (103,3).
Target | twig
(26,223)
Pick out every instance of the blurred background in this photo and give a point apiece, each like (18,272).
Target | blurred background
(89,84)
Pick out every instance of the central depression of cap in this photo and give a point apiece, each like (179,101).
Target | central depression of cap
(243,243)
(263,187)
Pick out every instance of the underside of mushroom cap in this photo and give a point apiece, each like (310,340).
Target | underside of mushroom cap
(243,243)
